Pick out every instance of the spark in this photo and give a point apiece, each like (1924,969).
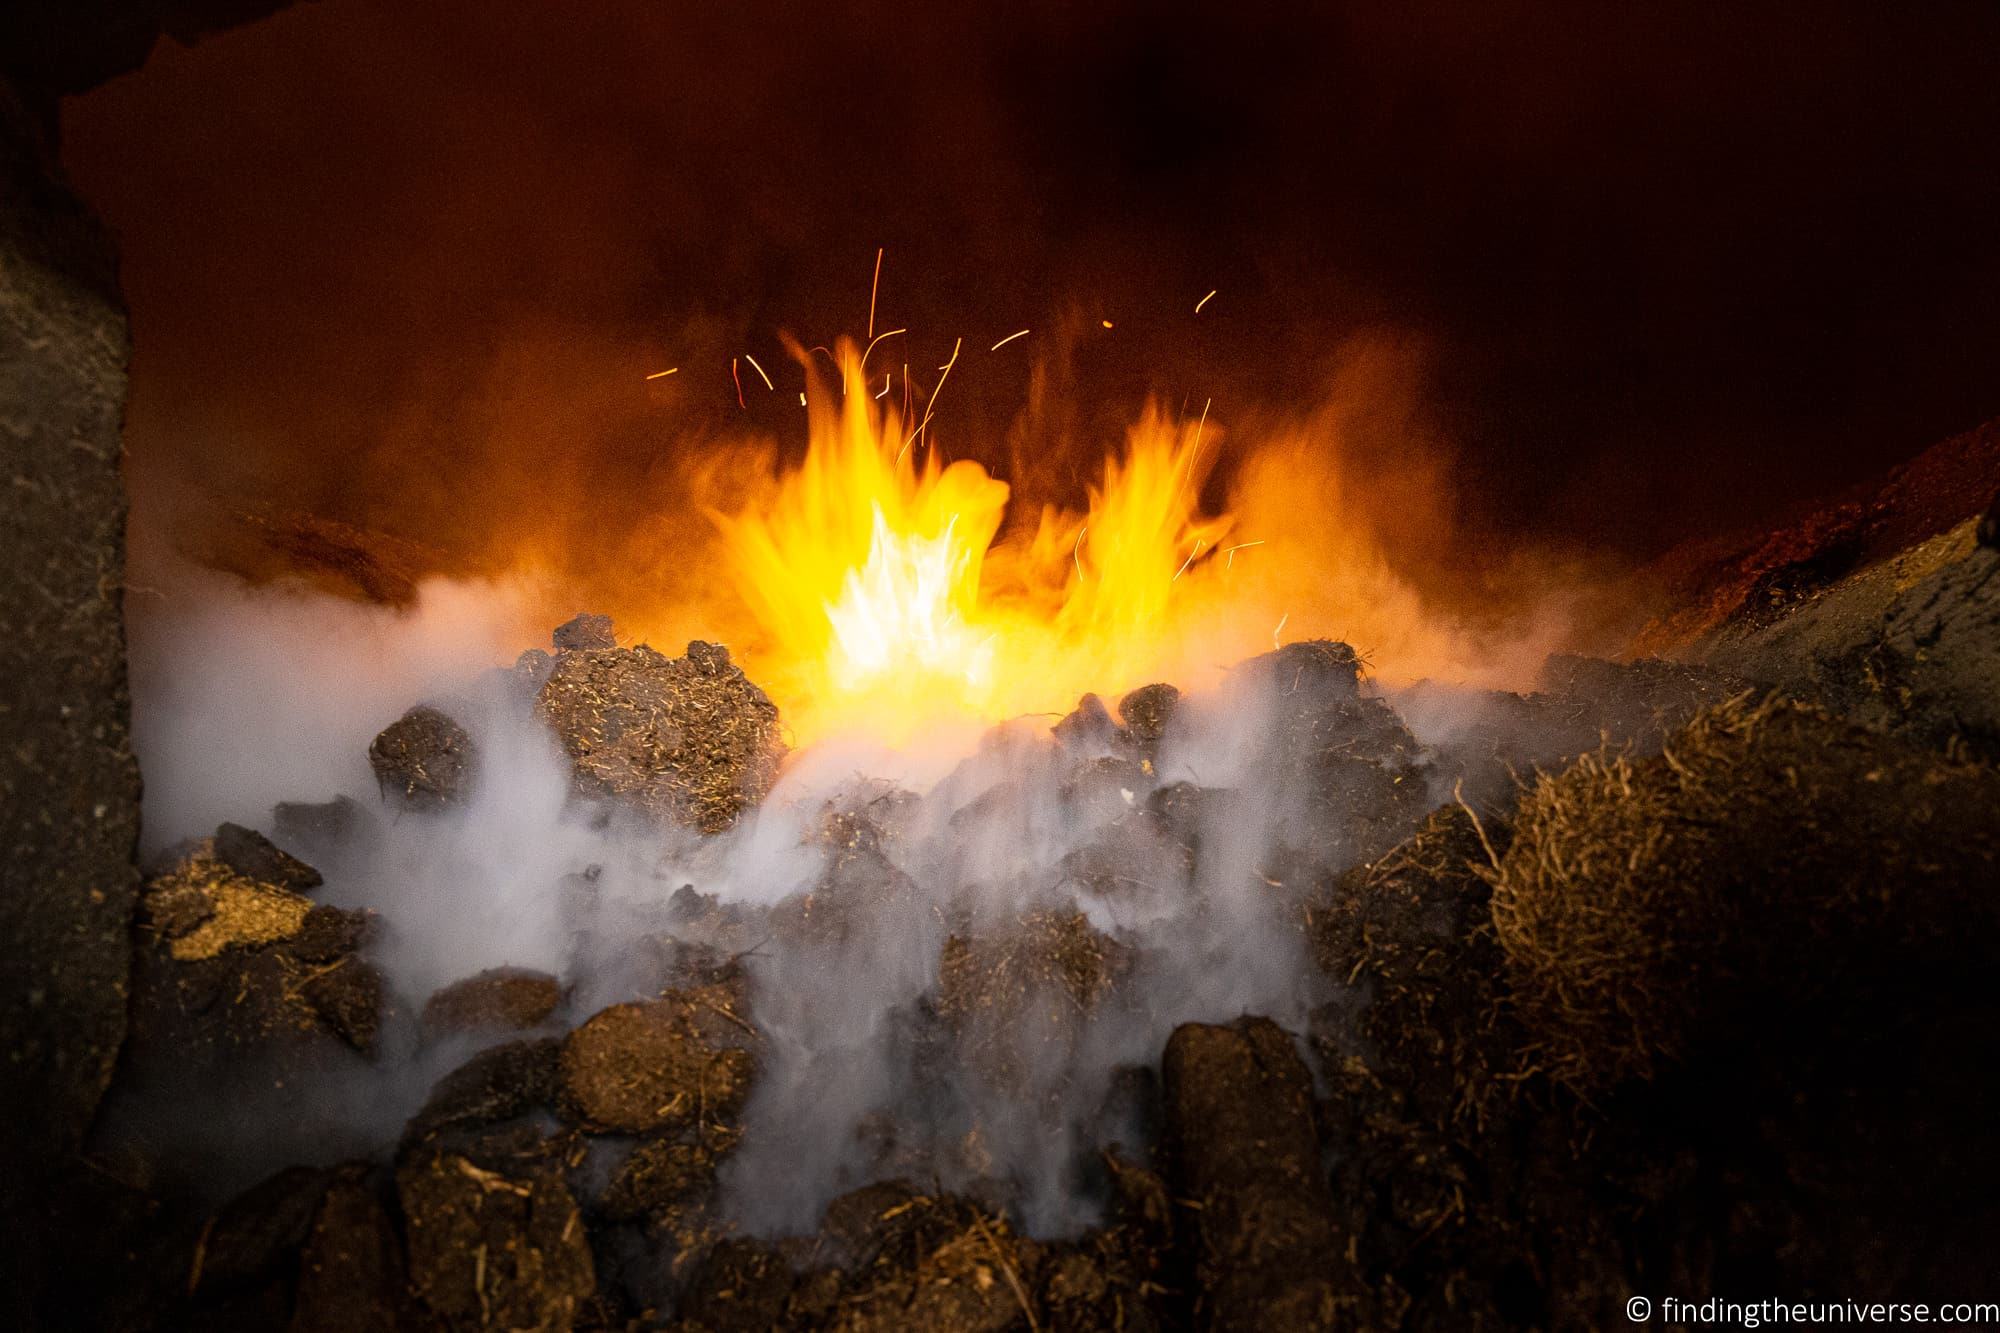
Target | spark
(1280,629)
(1009,338)
(873,287)
(1076,552)
(802,399)
(1231,552)
(1194,454)
(841,379)
(1106,323)
(930,407)
(871,345)
(760,371)
(888,378)
(739,383)
(1185,563)
(1202,302)
(662,374)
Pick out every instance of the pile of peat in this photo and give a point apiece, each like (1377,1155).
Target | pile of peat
(1645,983)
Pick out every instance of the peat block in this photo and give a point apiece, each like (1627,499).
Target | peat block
(691,739)
(500,999)
(424,760)
(681,1061)
(494,1243)
(1239,1107)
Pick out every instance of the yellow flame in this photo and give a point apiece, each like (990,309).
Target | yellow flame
(889,600)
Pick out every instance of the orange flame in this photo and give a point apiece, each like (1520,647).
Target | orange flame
(888,607)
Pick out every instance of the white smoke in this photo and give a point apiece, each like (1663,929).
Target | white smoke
(245,698)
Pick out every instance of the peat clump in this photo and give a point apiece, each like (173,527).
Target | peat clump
(584,632)
(1411,936)
(424,760)
(227,966)
(1770,863)
(1121,1275)
(690,739)
(351,1271)
(1351,777)
(1246,1157)
(1146,712)
(911,1260)
(1019,996)
(500,999)
(683,1061)
(329,833)
(251,854)
(495,1239)
(1418,1056)
(501,1083)
(1700,1020)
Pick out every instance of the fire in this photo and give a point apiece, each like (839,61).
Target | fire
(890,600)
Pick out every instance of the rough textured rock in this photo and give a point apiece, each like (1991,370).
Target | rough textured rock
(1240,1127)
(1910,645)
(686,738)
(1881,604)
(503,999)
(424,760)
(1758,581)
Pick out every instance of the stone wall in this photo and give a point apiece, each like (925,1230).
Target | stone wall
(69,787)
